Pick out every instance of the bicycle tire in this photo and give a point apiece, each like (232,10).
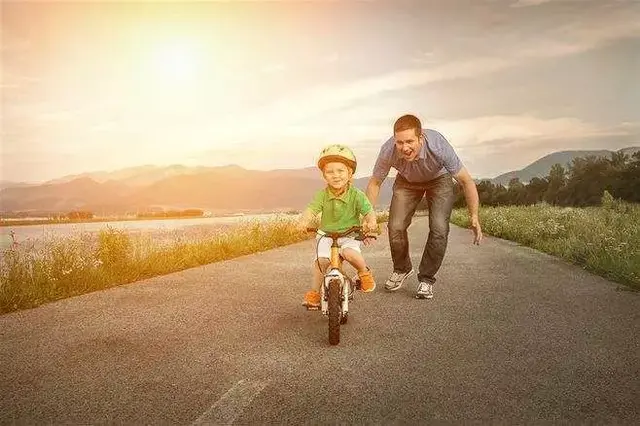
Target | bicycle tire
(334,311)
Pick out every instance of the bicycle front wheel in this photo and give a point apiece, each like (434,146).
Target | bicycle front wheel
(335,311)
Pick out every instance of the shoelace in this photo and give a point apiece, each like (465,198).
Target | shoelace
(395,276)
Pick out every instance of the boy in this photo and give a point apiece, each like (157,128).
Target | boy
(341,205)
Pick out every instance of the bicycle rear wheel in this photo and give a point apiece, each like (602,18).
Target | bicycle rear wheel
(335,313)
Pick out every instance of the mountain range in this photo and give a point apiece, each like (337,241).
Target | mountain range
(150,187)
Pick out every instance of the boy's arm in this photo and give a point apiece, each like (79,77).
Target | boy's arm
(305,219)
(310,212)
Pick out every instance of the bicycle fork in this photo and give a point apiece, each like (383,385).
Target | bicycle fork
(334,274)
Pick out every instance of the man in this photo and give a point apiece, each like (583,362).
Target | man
(426,163)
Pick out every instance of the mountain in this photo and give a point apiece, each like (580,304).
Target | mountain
(541,167)
(76,194)
(137,176)
(9,184)
(218,189)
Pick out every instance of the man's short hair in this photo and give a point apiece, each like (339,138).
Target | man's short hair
(407,122)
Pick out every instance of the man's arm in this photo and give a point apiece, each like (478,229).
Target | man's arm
(380,172)
(473,201)
(369,221)
(470,191)
(373,189)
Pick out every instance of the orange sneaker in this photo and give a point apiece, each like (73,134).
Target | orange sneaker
(367,284)
(311,300)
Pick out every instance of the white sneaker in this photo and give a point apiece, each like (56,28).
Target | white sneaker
(425,291)
(396,279)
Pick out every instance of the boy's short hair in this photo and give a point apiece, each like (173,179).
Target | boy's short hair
(407,122)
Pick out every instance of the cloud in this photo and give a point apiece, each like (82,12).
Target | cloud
(567,39)
(15,81)
(11,44)
(492,145)
(483,132)
(527,3)
(273,68)
(60,115)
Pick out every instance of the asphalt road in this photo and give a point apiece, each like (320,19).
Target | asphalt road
(512,336)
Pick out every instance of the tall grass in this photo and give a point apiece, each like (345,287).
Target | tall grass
(604,240)
(64,267)
(58,268)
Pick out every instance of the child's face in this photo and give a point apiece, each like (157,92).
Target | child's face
(337,175)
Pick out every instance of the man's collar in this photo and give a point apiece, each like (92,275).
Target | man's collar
(423,149)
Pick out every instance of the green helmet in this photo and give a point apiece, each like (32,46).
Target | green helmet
(340,153)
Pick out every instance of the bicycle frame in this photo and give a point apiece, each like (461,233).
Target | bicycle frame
(334,272)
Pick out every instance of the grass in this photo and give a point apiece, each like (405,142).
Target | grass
(604,240)
(27,222)
(63,220)
(64,267)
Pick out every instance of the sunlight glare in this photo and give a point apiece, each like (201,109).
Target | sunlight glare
(176,62)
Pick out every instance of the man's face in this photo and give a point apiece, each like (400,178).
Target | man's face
(408,144)
(337,175)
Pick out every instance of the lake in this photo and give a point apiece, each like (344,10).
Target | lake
(37,232)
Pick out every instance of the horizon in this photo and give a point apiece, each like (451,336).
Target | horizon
(391,173)
(101,87)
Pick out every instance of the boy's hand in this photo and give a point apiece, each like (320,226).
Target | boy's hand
(368,241)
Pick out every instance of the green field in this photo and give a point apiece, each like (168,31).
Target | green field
(604,240)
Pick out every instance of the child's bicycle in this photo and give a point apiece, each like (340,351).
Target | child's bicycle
(337,289)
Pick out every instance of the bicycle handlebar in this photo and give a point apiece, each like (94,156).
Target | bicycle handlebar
(336,235)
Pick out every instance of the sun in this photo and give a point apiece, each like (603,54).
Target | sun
(176,61)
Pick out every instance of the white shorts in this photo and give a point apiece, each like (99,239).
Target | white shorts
(324,245)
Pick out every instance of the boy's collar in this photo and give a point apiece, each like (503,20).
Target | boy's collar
(332,195)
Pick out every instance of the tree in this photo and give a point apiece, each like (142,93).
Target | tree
(516,192)
(556,181)
(535,191)
(627,184)
(588,178)
(500,196)
(486,191)
(79,215)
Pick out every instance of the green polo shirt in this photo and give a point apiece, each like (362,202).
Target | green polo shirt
(340,213)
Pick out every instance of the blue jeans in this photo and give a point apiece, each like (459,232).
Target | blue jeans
(440,196)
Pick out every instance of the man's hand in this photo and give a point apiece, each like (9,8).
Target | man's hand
(477,231)
(370,226)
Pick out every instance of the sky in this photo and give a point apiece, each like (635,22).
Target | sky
(89,86)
